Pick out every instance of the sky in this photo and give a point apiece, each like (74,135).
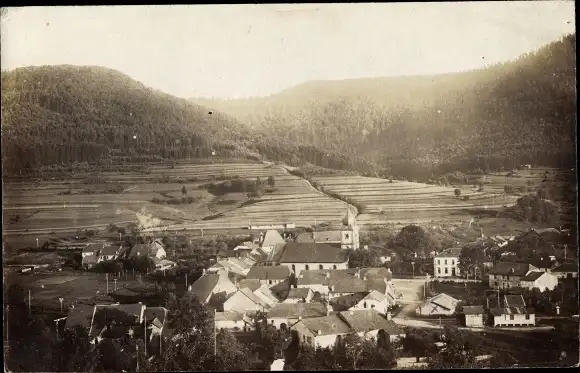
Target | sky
(235,51)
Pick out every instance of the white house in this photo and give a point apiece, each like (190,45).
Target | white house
(269,240)
(163,264)
(541,280)
(233,321)
(269,275)
(109,253)
(505,275)
(346,238)
(439,305)
(299,295)
(373,300)
(266,295)
(446,263)
(473,316)
(288,314)
(154,249)
(367,324)
(514,313)
(155,319)
(306,256)
(92,249)
(321,331)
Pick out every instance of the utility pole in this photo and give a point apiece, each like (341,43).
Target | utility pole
(413,264)
(7,324)
(214,336)
(107,277)
(137,347)
(145,339)
(37,242)
(201,232)
(115,280)
(185,281)
(29,304)
(60,300)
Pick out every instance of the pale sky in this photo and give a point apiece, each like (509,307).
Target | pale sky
(256,50)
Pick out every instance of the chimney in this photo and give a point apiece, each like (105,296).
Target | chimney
(299,318)
(357,273)
(328,309)
(203,272)
(389,315)
(189,288)
(319,332)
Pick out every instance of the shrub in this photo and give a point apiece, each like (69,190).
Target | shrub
(457,192)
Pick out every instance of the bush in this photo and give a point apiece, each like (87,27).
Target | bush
(457,192)
(508,189)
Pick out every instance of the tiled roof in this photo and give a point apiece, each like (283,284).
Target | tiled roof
(90,259)
(266,294)
(145,249)
(348,285)
(514,301)
(328,236)
(510,269)
(344,302)
(204,285)
(79,315)
(228,316)
(254,298)
(250,245)
(294,310)
(305,237)
(268,273)
(566,267)
(376,272)
(532,276)
(94,247)
(251,284)
(323,276)
(511,311)
(276,253)
(443,300)
(327,325)
(116,314)
(368,320)
(453,253)
(375,295)
(298,293)
(312,253)
(473,310)
(110,250)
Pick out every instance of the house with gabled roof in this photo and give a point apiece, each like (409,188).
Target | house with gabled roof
(115,321)
(566,270)
(155,320)
(109,253)
(210,284)
(270,239)
(89,261)
(266,295)
(538,279)
(245,300)
(289,313)
(439,305)
(299,295)
(269,275)
(319,280)
(446,263)
(373,300)
(79,315)
(234,321)
(367,323)
(92,249)
(505,275)
(306,256)
(514,313)
(473,316)
(151,250)
(246,246)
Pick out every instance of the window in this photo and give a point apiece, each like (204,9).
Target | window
(372,306)
(438,262)
(365,304)
(270,282)
(445,270)
(309,340)
(306,267)
(320,266)
(511,317)
(334,266)
(272,322)
(453,262)
(438,271)
(445,261)
(346,236)
(527,317)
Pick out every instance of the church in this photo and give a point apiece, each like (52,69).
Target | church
(347,238)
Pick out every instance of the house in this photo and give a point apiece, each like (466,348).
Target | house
(346,239)
(114,321)
(154,318)
(246,246)
(266,295)
(544,264)
(269,275)
(373,300)
(321,331)
(514,313)
(244,300)
(299,295)
(367,323)
(239,266)
(505,275)
(269,240)
(473,316)
(163,264)
(439,305)
(325,331)
(210,284)
(92,249)
(340,286)
(152,250)
(233,321)
(286,314)
(305,256)
(446,263)
(253,285)
(538,279)
(89,261)
(318,280)
(109,253)
(346,302)
(566,270)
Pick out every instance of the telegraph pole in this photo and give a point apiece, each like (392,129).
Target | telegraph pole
(137,347)
(115,280)
(107,277)
(185,281)
(214,336)
(29,304)
(145,339)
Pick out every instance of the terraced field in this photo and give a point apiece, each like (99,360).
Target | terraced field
(404,202)
(36,208)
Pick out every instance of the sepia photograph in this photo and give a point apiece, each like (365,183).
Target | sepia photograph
(269,187)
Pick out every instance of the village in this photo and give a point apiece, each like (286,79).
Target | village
(305,285)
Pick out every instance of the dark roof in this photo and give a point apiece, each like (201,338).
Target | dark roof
(305,237)
(566,267)
(510,269)
(204,285)
(453,252)
(228,254)
(268,273)
(253,285)
(90,259)
(541,263)
(473,310)
(276,253)
(376,272)
(532,276)
(152,313)
(344,302)
(115,315)
(298,293)
(368,320)
(294,310)
(145,249)
(79,315)
(93,247)
(348,285)
(312,253)
(328,325)
(514,301)
(511,311)
(323,276)
(110,250)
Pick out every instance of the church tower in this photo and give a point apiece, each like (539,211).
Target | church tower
(350,238)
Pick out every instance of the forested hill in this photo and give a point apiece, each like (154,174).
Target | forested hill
(522,111)
(62,114)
